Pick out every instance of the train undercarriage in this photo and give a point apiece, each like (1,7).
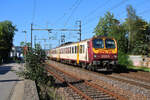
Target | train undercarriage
(104,65)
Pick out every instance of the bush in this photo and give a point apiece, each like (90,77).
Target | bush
(35,67)
(123,59)
(34,70)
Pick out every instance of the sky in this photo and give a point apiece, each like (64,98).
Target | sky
(64,14)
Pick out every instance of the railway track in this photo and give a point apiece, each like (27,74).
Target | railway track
(131,80)
(141,76)
(131,88)
(84,90)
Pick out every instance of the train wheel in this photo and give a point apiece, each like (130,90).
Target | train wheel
(90,68)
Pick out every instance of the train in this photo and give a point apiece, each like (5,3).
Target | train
(96,53)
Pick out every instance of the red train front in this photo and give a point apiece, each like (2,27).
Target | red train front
(102,52)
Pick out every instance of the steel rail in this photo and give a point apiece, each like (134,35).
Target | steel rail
(91,84)
(71,86)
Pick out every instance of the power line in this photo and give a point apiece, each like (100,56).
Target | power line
(112,8)
(138,5)
(63,16)
(73,11)
(145,11)
(95,10)
(117,5)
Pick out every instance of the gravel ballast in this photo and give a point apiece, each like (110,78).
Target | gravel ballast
(131,91)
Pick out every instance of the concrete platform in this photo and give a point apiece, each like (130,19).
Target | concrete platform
(12,87)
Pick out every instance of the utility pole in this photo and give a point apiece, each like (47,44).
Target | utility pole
(25,36)
(80,29)
(44,44)
(31,33)
(64,29)
(35,41)
(63,38)
(79,21)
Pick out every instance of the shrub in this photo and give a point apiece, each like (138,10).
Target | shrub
(123,59)
(35,70)
(34,67)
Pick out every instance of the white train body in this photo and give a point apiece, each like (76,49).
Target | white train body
(71,52)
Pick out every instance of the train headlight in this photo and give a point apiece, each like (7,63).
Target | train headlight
(95,56)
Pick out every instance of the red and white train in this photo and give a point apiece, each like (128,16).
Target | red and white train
(95,53)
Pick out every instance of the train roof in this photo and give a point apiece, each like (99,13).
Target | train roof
(68,43)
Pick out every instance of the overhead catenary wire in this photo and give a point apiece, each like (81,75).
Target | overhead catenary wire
(110,9)
(144,11)
(96,9)
(137,4)
(73,11)
(117,5)
(65,13)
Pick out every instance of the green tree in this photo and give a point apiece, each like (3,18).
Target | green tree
(110,26)
(106,24)
(7,31)
(137,31)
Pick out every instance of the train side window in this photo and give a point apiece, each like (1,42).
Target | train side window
(83,49)
(80,48)
(66,50)
(72,50)
(75,48)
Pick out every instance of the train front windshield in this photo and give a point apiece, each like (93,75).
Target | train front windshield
(98,43)
(110,43)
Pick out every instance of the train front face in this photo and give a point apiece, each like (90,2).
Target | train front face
(104,51)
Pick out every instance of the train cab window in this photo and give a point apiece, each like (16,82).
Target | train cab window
(70,50)
(98,43)
(110,43)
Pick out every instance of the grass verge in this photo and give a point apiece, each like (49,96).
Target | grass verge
(139,68)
